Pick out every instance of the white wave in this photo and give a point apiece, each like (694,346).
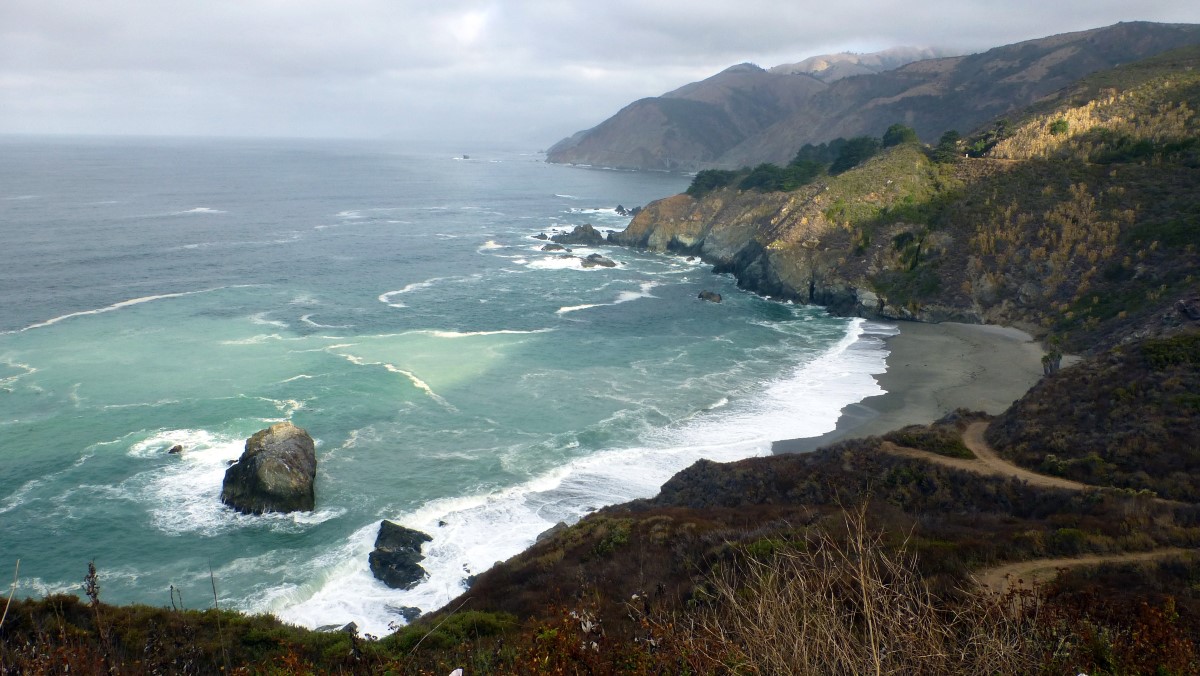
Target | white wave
(392,368)
(350,215)
(199,210)
(7,382)
(558,263)
(490,245)
(386,297)
(569,197)
(468,334)
(576,308)
(254,340)
(302,376)
(471,532)
(307,319)
(287,407)
(14,198)
(643,292)
(117,306)
(623,297)
(261,319)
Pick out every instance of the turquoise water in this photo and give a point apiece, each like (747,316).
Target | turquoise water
(456,378)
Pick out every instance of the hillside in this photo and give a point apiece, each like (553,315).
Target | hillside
(1081,220)
(691,126)
(931,96)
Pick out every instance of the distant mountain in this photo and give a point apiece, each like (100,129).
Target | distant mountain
(692,126)
(746,115)
(832,67)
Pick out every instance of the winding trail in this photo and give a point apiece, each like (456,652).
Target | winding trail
(986,461)
(1024,574)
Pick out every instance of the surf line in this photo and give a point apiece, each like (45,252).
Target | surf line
(123,304)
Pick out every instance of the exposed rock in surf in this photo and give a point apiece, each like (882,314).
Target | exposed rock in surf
(541,235)
(176,449)
(552,531)
(397,556)
(596,259)
(711,296)
(409,613)
(582,234)
(554,247)
(274,474)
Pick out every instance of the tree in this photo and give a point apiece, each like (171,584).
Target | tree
(947,147)
(898,134)
(856,151)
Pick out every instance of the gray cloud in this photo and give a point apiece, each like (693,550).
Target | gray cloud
(461,71)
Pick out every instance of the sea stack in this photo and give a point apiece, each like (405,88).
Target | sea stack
(274,474)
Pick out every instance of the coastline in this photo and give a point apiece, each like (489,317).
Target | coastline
(933,369)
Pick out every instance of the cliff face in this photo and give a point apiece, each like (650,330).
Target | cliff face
(745,116)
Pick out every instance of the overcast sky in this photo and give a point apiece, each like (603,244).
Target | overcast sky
(520,73)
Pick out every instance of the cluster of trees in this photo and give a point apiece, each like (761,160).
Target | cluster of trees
(815,160)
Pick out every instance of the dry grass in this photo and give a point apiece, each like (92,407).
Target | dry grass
(848,605)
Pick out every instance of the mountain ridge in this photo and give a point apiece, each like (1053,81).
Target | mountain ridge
(932,96)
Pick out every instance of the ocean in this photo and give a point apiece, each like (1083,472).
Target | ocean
(457,378)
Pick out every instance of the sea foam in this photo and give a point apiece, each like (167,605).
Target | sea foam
(471,532)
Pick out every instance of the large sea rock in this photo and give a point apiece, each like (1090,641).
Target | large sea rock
(274,474)
(397,556)
(584,235)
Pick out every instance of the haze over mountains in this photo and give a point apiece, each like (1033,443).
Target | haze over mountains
(746,115)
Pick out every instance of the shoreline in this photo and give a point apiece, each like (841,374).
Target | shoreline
(933,369)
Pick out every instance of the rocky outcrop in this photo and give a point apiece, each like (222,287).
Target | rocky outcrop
(552,531)
(397,556)
(582,235)
(274,474)
(710,296)
(554,247)
(595,260)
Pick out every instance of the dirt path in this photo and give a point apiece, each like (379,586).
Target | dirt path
(1024,574)
(974,440)
(985,462)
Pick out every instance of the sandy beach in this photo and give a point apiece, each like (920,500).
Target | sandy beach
(933,369)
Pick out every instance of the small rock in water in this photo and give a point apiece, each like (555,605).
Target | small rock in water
(176,449)
(397,556)
(711,296)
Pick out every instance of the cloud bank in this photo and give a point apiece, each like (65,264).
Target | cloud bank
(520,73)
